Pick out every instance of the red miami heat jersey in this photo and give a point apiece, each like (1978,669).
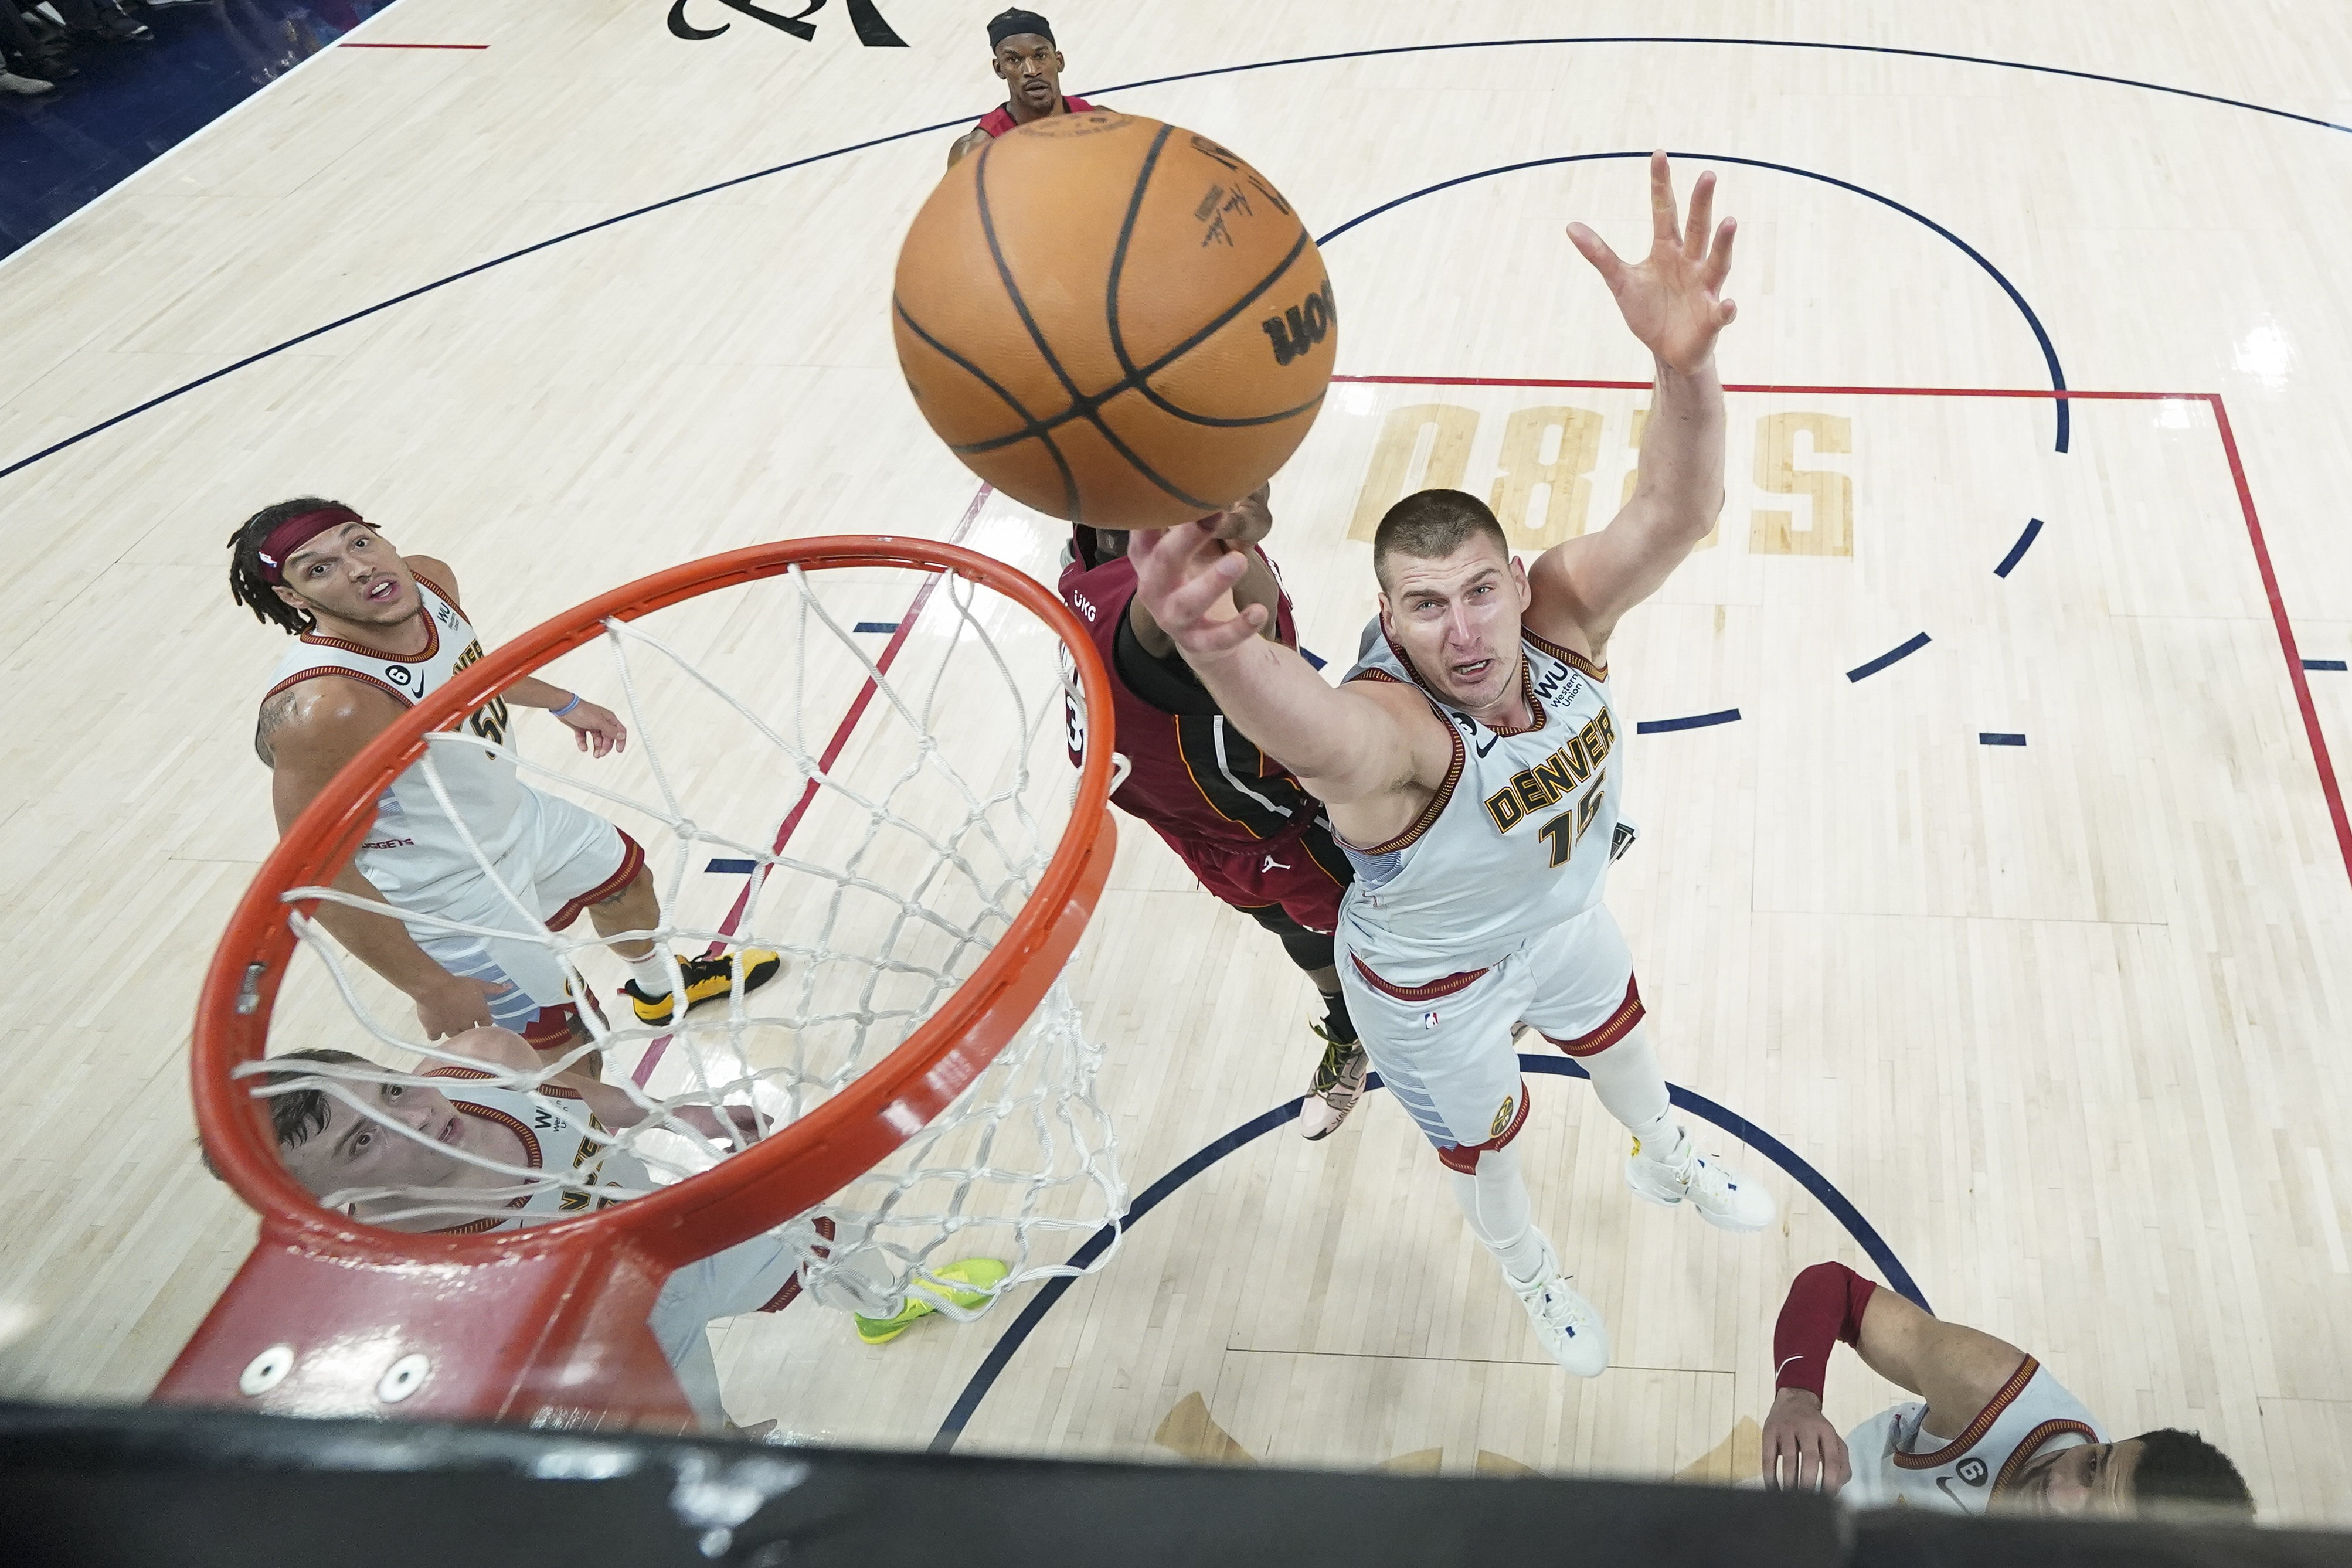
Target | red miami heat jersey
(999,121)
(1192,775)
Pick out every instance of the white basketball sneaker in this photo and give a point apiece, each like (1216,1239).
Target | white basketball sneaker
(1724,1200)
(1568,1325)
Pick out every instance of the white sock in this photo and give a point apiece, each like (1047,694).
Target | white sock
(1495,1202)
(652,974)
(1633,1087)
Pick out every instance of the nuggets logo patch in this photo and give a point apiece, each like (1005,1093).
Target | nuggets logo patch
(1502,1117)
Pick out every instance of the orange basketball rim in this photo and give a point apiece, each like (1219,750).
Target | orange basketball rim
(546,1326)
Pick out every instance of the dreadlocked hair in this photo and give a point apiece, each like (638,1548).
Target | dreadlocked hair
(247,585)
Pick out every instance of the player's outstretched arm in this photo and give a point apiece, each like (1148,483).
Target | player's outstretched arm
(1243,524)
(1345,744)
(502,1047)
(1672,301)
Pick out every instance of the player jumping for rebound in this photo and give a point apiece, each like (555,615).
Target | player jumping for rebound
(376,632)
(1240,823)
(1996,1433)
(1471,764)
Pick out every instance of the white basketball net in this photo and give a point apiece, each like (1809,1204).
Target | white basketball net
(906,858)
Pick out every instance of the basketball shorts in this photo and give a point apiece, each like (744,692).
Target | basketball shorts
(743,1279)
(1444,1047)
(1306,874)
(565,859)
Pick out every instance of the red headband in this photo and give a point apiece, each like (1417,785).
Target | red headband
(297,531)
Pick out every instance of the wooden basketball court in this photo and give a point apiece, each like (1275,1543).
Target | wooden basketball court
(1993,876)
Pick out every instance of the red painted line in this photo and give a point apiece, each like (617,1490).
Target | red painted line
(832,753)
(2319,757)
(2042,392)
(411,45)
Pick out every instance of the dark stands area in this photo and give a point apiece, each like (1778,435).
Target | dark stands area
(94,89)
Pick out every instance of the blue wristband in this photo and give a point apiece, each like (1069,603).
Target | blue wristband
(567,707)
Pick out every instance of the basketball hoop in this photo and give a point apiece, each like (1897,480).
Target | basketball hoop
(921,1073)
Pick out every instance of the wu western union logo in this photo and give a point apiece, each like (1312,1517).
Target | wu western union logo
(1564,772)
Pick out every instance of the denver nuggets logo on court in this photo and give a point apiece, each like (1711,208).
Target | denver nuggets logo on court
(1502,1116)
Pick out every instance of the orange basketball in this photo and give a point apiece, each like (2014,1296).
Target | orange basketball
(1114,320)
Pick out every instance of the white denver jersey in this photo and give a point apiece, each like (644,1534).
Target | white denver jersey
(1897,1465)
(556,1142)
(415,843)
(1515,841)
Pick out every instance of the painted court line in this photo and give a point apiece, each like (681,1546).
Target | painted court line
(1695,721)
(411,45)
(1000,1354)
(1999,738)
(1890,656)
(2329,785)
(2017,551)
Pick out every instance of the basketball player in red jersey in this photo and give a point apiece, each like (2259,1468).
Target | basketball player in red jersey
(1236,816)
(376,632)
(1022,43)
(1993,1432)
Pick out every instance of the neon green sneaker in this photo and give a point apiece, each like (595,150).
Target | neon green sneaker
(983,1272)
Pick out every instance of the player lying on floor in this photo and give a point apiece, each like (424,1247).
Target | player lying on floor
(1242,826)
(1994,1432)
(429,1136)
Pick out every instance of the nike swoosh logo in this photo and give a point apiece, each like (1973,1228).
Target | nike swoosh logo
(1491,738)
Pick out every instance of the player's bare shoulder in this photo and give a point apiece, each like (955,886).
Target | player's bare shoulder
(326,715)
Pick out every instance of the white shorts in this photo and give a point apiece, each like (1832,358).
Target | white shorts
(743,1279)
(1444,1047)
(565,859)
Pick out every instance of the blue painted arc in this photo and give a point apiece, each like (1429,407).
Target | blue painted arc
(254,358)
(1000,1354)
(2040,334)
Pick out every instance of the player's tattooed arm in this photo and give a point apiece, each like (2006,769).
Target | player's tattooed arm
(326,724)
(1239,527)
(276,713)
(1672,301)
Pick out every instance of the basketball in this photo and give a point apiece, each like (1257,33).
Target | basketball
(1114,320)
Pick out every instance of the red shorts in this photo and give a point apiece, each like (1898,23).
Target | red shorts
(1306,874)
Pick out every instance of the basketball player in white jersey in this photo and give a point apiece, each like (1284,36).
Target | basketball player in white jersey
(1472,766)
(1994,1432)
(375,632)
(342,1134)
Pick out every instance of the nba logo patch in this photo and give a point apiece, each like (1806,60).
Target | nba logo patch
(1429,1020)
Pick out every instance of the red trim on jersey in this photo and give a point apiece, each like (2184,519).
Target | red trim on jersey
(432,641)
(632,861)
(1567,657)
(999,121)
(1464,1157)
(1443,986)
(1429,813)
(550,1031)
(442,593)
(1535,704)
(529,1149)
(1618,1025)
(2022,1455)
(348,673)
(1976,1430)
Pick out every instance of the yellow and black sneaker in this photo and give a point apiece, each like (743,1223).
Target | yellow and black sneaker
(707,979)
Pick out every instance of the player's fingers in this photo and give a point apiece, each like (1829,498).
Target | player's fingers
(1702,215)
(1726,311)
(1718,258)
(1662,223)
(1775,1449)
(1839,1467)
(1595,249)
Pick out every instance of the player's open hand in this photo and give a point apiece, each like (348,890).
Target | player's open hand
(1802,1452)
(455,1003)
(736,1126)
(593,725)
(1185,577)
(1673,299)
